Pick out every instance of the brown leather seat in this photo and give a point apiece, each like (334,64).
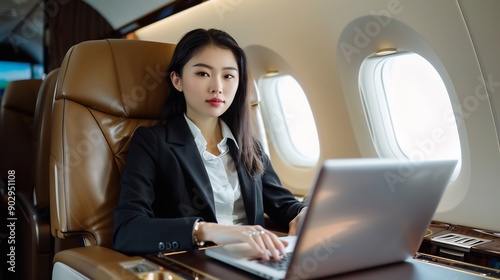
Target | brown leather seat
(16,143)
(42,129)
(106,89)
(16,114)
(36,245)
(41,250)
(43,244)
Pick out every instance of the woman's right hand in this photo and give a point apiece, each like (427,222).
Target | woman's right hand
(259,238)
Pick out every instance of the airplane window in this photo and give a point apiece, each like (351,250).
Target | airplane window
(289,120)
(11,71)
(408,108)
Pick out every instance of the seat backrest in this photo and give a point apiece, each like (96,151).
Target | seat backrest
(105,90)
(16,130)
(42,122)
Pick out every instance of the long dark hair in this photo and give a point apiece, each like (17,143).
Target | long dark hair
(237,116)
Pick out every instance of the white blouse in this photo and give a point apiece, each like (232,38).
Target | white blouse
(229,208)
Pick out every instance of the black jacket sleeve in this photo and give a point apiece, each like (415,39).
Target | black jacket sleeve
(279,203)
(136,228)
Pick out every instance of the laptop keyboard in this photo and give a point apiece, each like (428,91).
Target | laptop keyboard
(279,265)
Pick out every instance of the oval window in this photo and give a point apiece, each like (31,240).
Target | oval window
(289,120)
(408,108)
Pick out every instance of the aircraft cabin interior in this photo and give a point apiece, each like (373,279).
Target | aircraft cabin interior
(333,85)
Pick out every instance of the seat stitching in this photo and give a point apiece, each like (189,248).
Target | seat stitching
(117,76)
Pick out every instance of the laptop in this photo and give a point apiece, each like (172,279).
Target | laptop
(362,213)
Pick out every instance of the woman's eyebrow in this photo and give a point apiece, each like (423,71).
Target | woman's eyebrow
(210,67)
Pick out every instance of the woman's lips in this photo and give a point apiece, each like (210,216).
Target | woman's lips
(215,101)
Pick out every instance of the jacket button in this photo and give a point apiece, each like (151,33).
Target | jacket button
(168,246)
(161,246)
(175,245)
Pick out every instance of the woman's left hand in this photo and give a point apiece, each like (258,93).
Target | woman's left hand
(295,222)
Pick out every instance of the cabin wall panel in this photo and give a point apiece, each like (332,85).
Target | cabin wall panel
(471,199)
(480,206)
(483,22)
(70,23)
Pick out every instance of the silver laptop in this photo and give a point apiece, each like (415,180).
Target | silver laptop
(362,213)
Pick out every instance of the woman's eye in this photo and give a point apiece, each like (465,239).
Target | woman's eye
(229,76)
(202,74)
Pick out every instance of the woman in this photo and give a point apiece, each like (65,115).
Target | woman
(202,177)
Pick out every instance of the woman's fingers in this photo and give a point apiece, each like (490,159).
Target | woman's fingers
(273,246)
(265,241)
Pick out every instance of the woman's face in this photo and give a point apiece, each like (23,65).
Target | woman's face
(209,83)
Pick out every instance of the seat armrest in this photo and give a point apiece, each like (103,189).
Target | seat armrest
(96,262)
(40,224)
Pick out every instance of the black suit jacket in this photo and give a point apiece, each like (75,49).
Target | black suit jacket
(165,188)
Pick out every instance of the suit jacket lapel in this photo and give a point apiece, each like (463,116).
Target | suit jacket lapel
(178,133)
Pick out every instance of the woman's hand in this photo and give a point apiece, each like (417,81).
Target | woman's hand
(295,222)
(260,239)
